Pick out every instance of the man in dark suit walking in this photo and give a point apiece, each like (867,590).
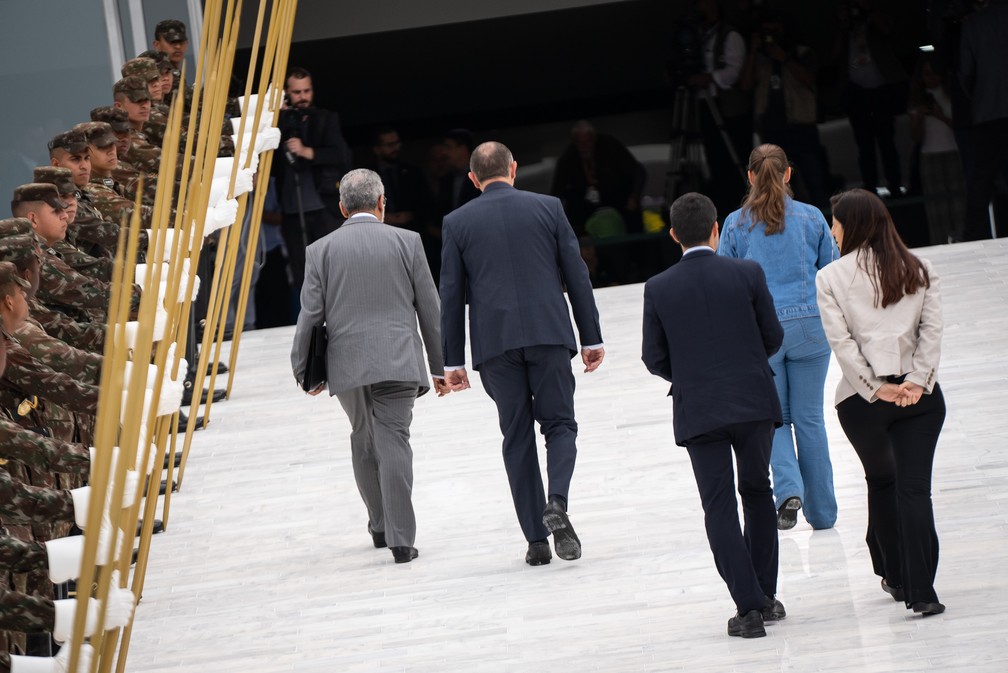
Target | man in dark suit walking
(709,327)
(513,253)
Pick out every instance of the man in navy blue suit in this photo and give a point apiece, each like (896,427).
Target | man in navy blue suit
(709,327)
(511,254)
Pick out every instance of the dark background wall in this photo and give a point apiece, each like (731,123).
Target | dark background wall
(530,69)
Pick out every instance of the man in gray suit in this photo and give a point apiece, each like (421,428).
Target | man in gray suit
(369,283)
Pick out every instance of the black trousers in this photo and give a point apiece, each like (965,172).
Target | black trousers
(745,559)
(990,157)
(896,445)
(532,384)
(872,114)
(318,223)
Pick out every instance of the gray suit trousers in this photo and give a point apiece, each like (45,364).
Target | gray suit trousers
(380,415)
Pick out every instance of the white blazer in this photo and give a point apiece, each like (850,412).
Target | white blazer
(871,342)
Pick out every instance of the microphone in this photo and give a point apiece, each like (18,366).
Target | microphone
(290,157)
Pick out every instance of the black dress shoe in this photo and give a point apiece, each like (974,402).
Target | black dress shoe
(187,396)
(773,611)
(404,554)
(895,592)
(377,537)
(749,625)
(538,553)
(183,423)
(164,487)
(927,609)
(565,540)
(178,455)
(787,513)
(221,369)
(158,527)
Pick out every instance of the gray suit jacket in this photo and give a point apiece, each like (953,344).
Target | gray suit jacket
(370,284)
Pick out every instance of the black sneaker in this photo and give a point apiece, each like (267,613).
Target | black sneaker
(749,625)
(787,513)
(773,611)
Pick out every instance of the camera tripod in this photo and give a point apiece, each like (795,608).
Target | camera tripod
(688,165)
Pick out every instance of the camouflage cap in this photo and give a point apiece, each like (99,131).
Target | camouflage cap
(19,248)
(160,59)
(15,226)
(9,274)
(55,175)
(170,30)
(134,87)
(71,141)
(39,191)
(141,67)
(115,117)
(98,134)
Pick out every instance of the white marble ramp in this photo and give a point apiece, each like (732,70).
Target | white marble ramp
(267,566)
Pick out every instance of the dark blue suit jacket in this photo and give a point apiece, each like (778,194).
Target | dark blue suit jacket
(512,253)
(709,327)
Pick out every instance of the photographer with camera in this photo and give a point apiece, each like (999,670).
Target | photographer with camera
(313,158)
(726,125)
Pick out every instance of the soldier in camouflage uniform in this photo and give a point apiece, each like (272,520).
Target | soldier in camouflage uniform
(99,268)
(24,252)
(90,231)
(131,94)
(61,287)
(147,70)
(125,173)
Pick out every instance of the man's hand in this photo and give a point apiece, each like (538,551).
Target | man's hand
(320,388)
(440,386)
(457,379)
(592,358)
(298,149)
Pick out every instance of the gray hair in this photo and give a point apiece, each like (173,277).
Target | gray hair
(360,190)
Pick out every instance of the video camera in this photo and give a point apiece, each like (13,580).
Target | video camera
(687,53)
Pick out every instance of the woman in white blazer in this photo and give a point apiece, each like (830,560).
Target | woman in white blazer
(881,310)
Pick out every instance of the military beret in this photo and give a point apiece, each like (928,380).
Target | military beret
(18,248)
(141,67)
(134,87)
(98,134)
(71,141)
(16,226)
(115,117)
(39,191)
(170,30)
(61,177)
(9,274)
(160,59)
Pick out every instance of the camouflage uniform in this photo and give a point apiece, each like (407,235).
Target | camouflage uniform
(90,231)
(26,377)
(20,556)
(28,614)
(113,205)
(87,336)
(40,452)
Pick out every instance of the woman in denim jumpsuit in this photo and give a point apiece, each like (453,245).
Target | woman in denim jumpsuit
(791,241)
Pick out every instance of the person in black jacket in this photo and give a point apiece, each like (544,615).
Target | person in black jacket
(312,160)
(709,328)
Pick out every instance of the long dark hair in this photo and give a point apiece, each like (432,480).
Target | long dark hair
(867,225)
(766,197)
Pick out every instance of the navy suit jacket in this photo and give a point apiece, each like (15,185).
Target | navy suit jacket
(709,327)
(512,253)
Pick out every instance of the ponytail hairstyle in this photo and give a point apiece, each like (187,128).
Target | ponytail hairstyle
(867,225)
(765,200)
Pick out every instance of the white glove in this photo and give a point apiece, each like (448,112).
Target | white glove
(171,394)
(152,374)
(243,182)
(57,664)
(268,139)
(220,216)
(195,288)
(222,167)
(65,553)
(81,498)
(218,191)
(242,152)
(131,328)
(145,270)
(166,251)
(63,623)
(120,604)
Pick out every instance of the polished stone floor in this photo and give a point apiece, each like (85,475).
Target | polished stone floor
(267,566)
